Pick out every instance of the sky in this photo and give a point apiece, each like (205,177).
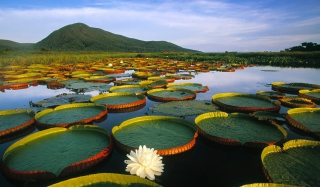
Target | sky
(203,25)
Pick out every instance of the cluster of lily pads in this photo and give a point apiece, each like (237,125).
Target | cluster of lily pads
(229,119)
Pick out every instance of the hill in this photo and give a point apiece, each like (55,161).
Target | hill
(80,37)
(9,45)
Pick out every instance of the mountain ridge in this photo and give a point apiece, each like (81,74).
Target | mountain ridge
(81,37)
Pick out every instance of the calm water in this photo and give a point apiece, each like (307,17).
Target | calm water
(206,164)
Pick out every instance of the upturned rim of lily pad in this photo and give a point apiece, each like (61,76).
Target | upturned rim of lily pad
(81,118)
(121,100)
(208,130)
(43,175)
(228,103)
(174,94)
(106,179)
(18,127)
(156,138)
(304,122)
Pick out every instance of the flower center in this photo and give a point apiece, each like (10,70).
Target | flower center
(145,158)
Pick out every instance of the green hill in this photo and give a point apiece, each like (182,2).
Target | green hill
(80,37)
(9,45)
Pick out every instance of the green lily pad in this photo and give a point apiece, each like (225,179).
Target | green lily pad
(185,108)
(239,129)
(294,87)
(106,179)
(137,89)
(305,119)
(119,100)
(196,87)
(14,120)
(127,81)
(62,99)
(297,163)
(269,115)
(167,135)
(271,94)
(313,95)
(171,94)
(88,86)
(68,114)
(297,102)
(56,152)
(244,102)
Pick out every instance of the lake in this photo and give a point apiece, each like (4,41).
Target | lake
(206,164)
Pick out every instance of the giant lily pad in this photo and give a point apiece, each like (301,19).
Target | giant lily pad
(62,99)
(294,87)
(313,95)
(297,163)
(14,120)
(69,114)
(239,129)
(244,102)
(185,108)
(171,94)
(56,152)
(196,87)
(119,100)
(305,119)
(137,89)
(106,179)
(167,135)
(297,102)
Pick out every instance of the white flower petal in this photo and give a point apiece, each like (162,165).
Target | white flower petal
(150,174)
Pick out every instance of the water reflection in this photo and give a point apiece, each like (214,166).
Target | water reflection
(205,164)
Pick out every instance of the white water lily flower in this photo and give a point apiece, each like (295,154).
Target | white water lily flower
(144,162)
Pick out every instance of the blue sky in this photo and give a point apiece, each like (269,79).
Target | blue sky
(208,26)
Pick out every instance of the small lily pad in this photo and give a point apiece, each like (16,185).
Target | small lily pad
(171,94)
(191,86)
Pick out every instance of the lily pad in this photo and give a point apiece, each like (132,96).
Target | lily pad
(268,185)
(244,102)
(297,102)
(305,119)
(171,94)
(271,94)
(297,163)
(185,108)
(56,152)
(137,89)
(14,120)
(313,95)
(106,179)
(269,115)
(69,114)
(239,129)
(88,86)
(62,99)
(167,135)
(127,81)
(119,100)
(294,87)
(196,87)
